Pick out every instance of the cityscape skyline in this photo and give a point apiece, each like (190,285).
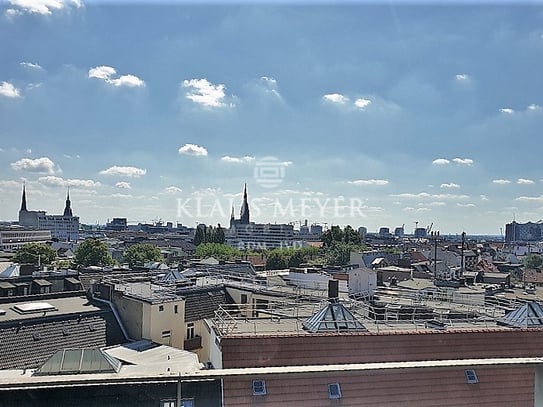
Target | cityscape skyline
(369,116)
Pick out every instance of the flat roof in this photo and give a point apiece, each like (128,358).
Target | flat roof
(59,306)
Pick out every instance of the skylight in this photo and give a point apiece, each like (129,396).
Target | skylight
(34,307)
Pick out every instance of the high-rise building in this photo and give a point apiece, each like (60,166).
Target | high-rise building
(63,227)
(523,232)
(245,234)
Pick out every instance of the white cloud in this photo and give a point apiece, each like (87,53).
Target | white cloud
(463,161)
(468,205)
(441,161)
(530,198)
(132,172)
(172,190)
(42,7)
(336,98)
(425,195)
(31,65)
(462,77)
(524,181)
(533,106)
(369,182)
(106,73)
(9,184)
(483,197)
(43,165)
(362,103)
(123,185)
(270,85)
(204,93)
(237,160)
(193,149)
(507,110)
(449,185)
(9,90)
(53,181)
(501,181)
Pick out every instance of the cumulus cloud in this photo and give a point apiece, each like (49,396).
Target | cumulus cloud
(132,172)
(507,110)
(524,181)
(193,149)
(41,7)
(43,165)
(237,160)
(468,205)
(31,66)
(172,190)
(425,195)
(108,73)
(441,161)
(533,106)
(449,185)
(9,90)
(483,197)
(530,198)
(53,181)
(463,161)
(462,77)
(501,181)
(362,103)
(204,93)
(123,185)
(336,98)
(368,182)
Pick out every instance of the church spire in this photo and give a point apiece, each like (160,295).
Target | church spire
(23,201)
(244,214)
(68,208)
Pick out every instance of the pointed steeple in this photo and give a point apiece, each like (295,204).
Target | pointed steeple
(68,208)
(23,201)
(232,214)
(244,214)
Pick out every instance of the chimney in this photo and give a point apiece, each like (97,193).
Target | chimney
(333,290)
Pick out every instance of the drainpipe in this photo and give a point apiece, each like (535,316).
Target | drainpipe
(115,313)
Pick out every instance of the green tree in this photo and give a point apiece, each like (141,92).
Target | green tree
(351,236)
(276,260)
(35,253)
(533,261)
(219,235)
(92,252)
(339,253)
(219,251)
(199,236)
(139,254)
(296,258)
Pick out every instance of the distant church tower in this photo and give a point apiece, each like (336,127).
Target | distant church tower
(244,214)
(68,207)
(23,201)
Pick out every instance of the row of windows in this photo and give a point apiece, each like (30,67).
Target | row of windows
(334,389)
(259,389)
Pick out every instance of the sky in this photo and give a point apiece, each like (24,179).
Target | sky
(361,114)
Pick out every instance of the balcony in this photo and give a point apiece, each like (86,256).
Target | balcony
(194,343)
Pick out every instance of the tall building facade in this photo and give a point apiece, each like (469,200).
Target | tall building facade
(63,227)
(523,232)
(244,234)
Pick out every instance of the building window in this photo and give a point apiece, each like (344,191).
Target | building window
(244,298)
(166,334)
(190,330)
(471,376)
(161,308)
(259,388)
(175,309)
(171,403)
(334,391)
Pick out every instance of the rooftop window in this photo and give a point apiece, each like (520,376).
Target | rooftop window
(259,388)
(471,376)
(34,307)
(334,391)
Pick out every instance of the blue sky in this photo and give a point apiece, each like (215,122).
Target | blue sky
(369,115)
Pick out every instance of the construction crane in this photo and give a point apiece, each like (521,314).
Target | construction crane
(429,228)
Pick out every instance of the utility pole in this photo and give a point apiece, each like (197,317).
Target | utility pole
(462,266)
(435,237)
